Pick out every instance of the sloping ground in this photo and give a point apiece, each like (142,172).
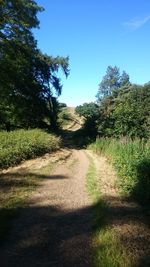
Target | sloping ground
(53,229)
(127,219)
(76,121)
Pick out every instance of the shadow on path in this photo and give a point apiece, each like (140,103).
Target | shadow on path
(16,178)
(49,236)
(132,224)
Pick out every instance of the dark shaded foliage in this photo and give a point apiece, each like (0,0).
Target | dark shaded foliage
(28,78)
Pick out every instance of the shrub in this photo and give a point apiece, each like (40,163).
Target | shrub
(19,145)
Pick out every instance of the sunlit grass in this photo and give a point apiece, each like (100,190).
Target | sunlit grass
(107,248)
(131,160)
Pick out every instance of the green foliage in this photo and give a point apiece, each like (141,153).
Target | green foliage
(28,77)
(88,110)
(124,108)
(62,105)
(131,160)
(111,82)
(126,113)
(19,145)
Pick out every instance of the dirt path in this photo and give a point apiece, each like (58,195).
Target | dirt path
(54,227)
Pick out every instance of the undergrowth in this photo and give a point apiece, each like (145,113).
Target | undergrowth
(20,145)
(131,160)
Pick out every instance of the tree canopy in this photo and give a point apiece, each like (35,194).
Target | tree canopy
(122,109)
(88,110)
(29,78)
(111,82)
(126,113)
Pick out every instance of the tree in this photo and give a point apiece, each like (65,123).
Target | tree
(130,114)
(88,110)
(124,79)
(28,78)
(126,114)
(111,82)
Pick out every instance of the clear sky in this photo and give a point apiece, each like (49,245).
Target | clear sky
(95,34)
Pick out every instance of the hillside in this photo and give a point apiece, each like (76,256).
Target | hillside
(74,122)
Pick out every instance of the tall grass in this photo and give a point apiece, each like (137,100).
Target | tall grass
(131,160)
(19,145)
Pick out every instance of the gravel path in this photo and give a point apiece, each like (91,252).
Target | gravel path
(54,227)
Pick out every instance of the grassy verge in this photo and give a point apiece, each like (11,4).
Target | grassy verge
(15,188)
(107,248)
(20,145)
(131,160)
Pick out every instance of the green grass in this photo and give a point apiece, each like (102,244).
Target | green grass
(20,145)
(91,181)
(107,248)
(15,186)
(109,251)
(131,160)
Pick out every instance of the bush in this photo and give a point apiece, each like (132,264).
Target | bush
(131,160)
(20,145)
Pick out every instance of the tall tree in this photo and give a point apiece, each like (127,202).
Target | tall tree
(126,114)
(27,77)
(111,82)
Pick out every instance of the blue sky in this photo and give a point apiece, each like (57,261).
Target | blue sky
(95,34)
